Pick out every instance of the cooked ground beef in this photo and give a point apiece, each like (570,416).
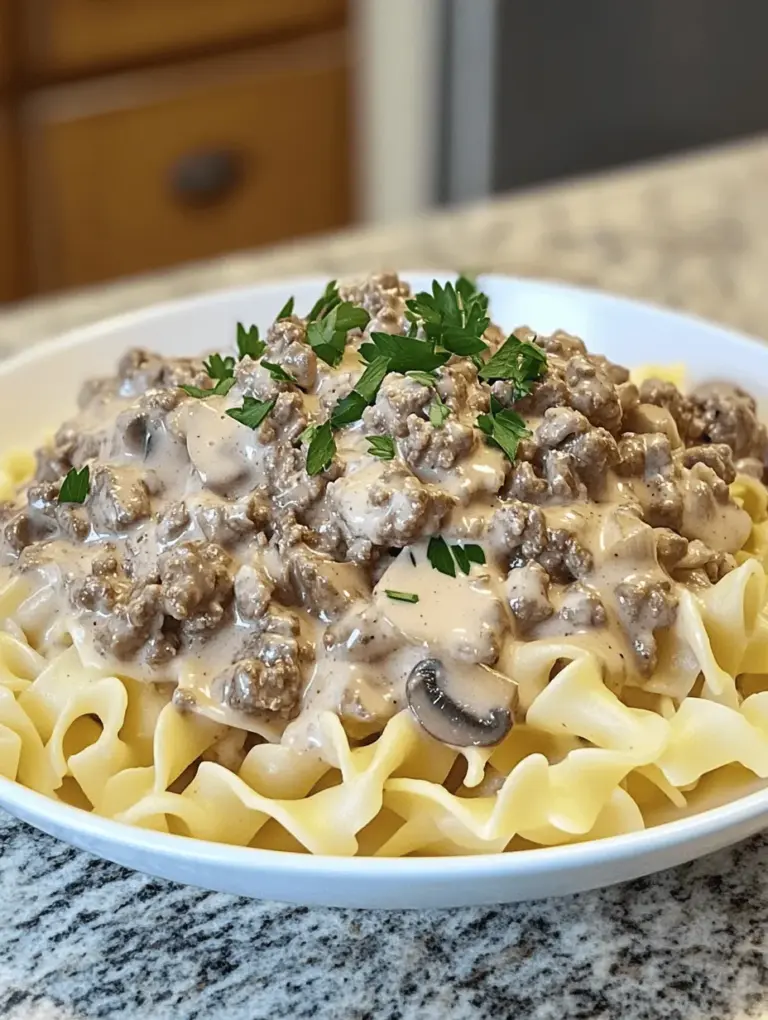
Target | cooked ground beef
(205,540)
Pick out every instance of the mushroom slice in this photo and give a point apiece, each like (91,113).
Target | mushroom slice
(474,708)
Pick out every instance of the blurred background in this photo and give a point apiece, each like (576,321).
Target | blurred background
(137,134)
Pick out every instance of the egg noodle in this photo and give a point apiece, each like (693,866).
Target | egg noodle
(586,763)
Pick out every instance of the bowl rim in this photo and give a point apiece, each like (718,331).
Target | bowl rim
(38,809)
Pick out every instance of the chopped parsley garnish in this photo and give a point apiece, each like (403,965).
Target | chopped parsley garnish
(461,558)
(404,353)
(308,433)
(248,342)
(438,411)
(330,298)
(219,368)
(252,413)
(327,335)
(453,317)
(503,427)
(441,556)
(475,553)
(425,378)
(287,310)
(221,389)
(75,486)
(322,448)
(382,447)
(278,373)
(350,408)
(402,596)
(520,362)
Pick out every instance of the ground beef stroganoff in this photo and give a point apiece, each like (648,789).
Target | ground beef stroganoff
(384,523)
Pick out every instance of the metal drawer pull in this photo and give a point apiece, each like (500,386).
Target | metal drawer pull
(206,177)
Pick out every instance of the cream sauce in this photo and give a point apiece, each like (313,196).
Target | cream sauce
(358,657)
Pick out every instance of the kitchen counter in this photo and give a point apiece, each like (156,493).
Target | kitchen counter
(81,938)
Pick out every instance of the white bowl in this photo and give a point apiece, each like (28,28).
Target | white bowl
(37,391)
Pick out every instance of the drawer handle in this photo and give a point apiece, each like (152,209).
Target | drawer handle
(205,177)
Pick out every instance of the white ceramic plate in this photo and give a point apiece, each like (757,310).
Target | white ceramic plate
(37,391)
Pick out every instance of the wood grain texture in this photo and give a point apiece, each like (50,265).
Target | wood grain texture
(66,36)
(102,160)
(11,270)
(6,44)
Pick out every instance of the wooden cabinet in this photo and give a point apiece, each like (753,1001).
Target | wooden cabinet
(155,167)
(6,43)
(10,233)
(136,134)
(74,35)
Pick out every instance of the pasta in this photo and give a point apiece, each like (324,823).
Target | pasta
(597,749)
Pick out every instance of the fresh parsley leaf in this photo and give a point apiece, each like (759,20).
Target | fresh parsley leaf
(425,378)
(402,596)
(221,389)
(278,373)
(438,411)
(322,449)
(252,413)
(439,555)
(453,317)
(348,410)
(475,554)
(404,353)
(505,428)
(369,382)
(351,407)
(75,486)
(329,299)
(459,554)
(518,361)
(248,342)
(382,447)
(327,336)
(466,288)
(219,368)
(308,434)
(287,310)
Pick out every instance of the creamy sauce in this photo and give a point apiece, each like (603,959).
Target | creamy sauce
(234,554)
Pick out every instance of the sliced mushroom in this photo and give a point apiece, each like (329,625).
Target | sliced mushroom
(480,719)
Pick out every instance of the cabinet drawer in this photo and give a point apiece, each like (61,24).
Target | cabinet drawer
(148,169)
(10,234)
(72,35)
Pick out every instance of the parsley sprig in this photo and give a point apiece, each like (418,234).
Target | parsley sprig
(350,408)
(327,334)
(404,353)
(326,302)
(452,317)
(504,428)
(382,447)
(221,389)
(75,487)
(248,342)
(438,411)
(519,361)
(322,449)
(442,556)
(252,412)
(219,368)
(278,373)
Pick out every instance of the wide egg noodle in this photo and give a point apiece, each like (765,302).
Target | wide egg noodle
(583,765)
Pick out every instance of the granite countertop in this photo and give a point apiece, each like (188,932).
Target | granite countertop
(81,938)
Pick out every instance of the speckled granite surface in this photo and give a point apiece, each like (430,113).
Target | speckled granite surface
(81,939)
